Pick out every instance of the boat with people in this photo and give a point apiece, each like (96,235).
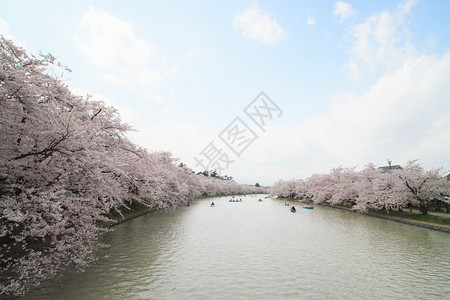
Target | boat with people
(308,207)
(212,204)
(293,210)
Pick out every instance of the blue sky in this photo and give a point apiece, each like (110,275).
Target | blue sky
(357,81)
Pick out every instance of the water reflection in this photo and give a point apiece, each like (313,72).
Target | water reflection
(260,250)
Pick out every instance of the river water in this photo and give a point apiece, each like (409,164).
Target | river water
(260,250)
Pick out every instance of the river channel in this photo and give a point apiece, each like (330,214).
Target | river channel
(260,250)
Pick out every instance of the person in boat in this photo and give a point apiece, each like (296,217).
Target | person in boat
(212,203)
(293,208)
(286,204)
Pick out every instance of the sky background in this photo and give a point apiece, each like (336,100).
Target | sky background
(357,82)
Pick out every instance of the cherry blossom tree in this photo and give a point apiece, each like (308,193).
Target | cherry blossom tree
(335,188)
(422,186)
(59,164)
(379,190)
(65,165)
(341,186)
(285,189)
(371,188)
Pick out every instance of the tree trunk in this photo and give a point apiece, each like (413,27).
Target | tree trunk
(423,208)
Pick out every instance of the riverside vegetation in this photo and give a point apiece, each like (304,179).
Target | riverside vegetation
(391,194)
(67,167)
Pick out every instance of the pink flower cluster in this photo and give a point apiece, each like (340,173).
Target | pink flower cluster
(370,188)
(65,164)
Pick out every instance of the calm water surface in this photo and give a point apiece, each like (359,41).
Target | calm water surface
(260,250)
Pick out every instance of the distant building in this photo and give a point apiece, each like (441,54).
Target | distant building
(390,168)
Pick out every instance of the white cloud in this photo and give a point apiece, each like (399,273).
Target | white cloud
(255,24)
(183,140)
(122,57)
(381,40)
(406,6)
(354,69)
(404,116)
(311,21)
(342,10)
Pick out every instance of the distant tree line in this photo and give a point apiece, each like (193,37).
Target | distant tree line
(215,174)
(372,188)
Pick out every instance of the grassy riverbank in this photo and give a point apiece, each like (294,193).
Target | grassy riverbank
(439,222)
(432,220)
(428,218)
